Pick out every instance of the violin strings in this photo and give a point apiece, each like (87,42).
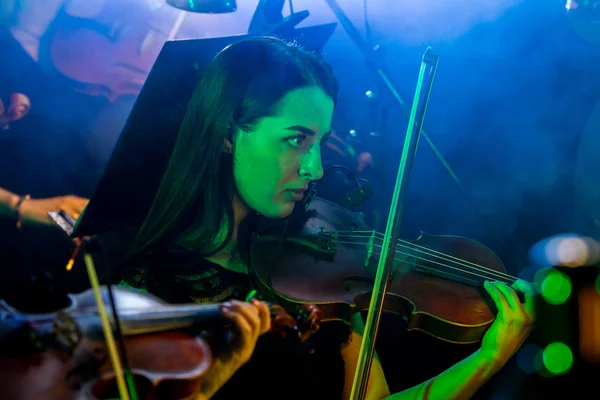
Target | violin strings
(478,273)
(456,260)
(489,277)
(439,254)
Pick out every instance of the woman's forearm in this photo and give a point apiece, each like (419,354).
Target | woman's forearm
(459,382)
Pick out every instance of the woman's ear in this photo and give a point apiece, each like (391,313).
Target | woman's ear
(228,140)
(227,146)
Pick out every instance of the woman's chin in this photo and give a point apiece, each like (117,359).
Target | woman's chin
(279,210)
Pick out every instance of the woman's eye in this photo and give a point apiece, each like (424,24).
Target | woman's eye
(297,141)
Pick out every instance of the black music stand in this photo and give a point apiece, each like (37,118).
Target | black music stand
(131,178)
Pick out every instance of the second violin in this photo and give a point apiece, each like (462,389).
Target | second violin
(166,356)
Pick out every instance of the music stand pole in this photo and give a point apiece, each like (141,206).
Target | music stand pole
(374,64)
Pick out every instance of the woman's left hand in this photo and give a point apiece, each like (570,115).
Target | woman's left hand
(513,323)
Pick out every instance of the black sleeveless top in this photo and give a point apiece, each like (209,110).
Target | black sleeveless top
(278,369)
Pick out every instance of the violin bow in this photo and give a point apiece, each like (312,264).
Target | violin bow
(124,392)
(417,115)
(62,219)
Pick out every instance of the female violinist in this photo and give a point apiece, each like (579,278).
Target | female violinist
(249,145)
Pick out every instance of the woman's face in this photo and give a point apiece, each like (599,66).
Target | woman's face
(274,162)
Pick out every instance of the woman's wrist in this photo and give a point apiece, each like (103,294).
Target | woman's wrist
(487,363)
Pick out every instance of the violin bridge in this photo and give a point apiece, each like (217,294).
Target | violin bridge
(326,241)
(370,247)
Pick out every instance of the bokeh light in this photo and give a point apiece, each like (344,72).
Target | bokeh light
(556,287)
(567,250)
(557,358)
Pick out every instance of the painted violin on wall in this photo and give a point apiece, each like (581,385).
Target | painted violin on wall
(106,48)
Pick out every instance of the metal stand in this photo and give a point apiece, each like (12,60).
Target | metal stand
(370,55)
(376,66)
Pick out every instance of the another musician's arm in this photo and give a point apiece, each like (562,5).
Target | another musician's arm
(8,200)
(36,210)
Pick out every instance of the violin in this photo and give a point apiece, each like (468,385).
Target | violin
(167,356)
(106,48)
(329,257)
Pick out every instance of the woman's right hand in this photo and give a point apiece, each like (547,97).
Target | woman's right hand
(250,320)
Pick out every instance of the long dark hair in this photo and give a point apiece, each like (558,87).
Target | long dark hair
(241,85)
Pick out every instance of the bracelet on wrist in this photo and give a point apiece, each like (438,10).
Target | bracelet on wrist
(17,209)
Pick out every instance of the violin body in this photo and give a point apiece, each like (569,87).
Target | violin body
(108,50)
(165,354)
(165,365)
(331,260)
(87,374)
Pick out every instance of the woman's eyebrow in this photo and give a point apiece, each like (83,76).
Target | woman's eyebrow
(305,130)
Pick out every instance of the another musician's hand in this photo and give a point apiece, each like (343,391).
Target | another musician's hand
(36,210)
(513,323)
(251,320)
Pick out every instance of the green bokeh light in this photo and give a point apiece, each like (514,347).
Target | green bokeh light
(556,287)
(558,358)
